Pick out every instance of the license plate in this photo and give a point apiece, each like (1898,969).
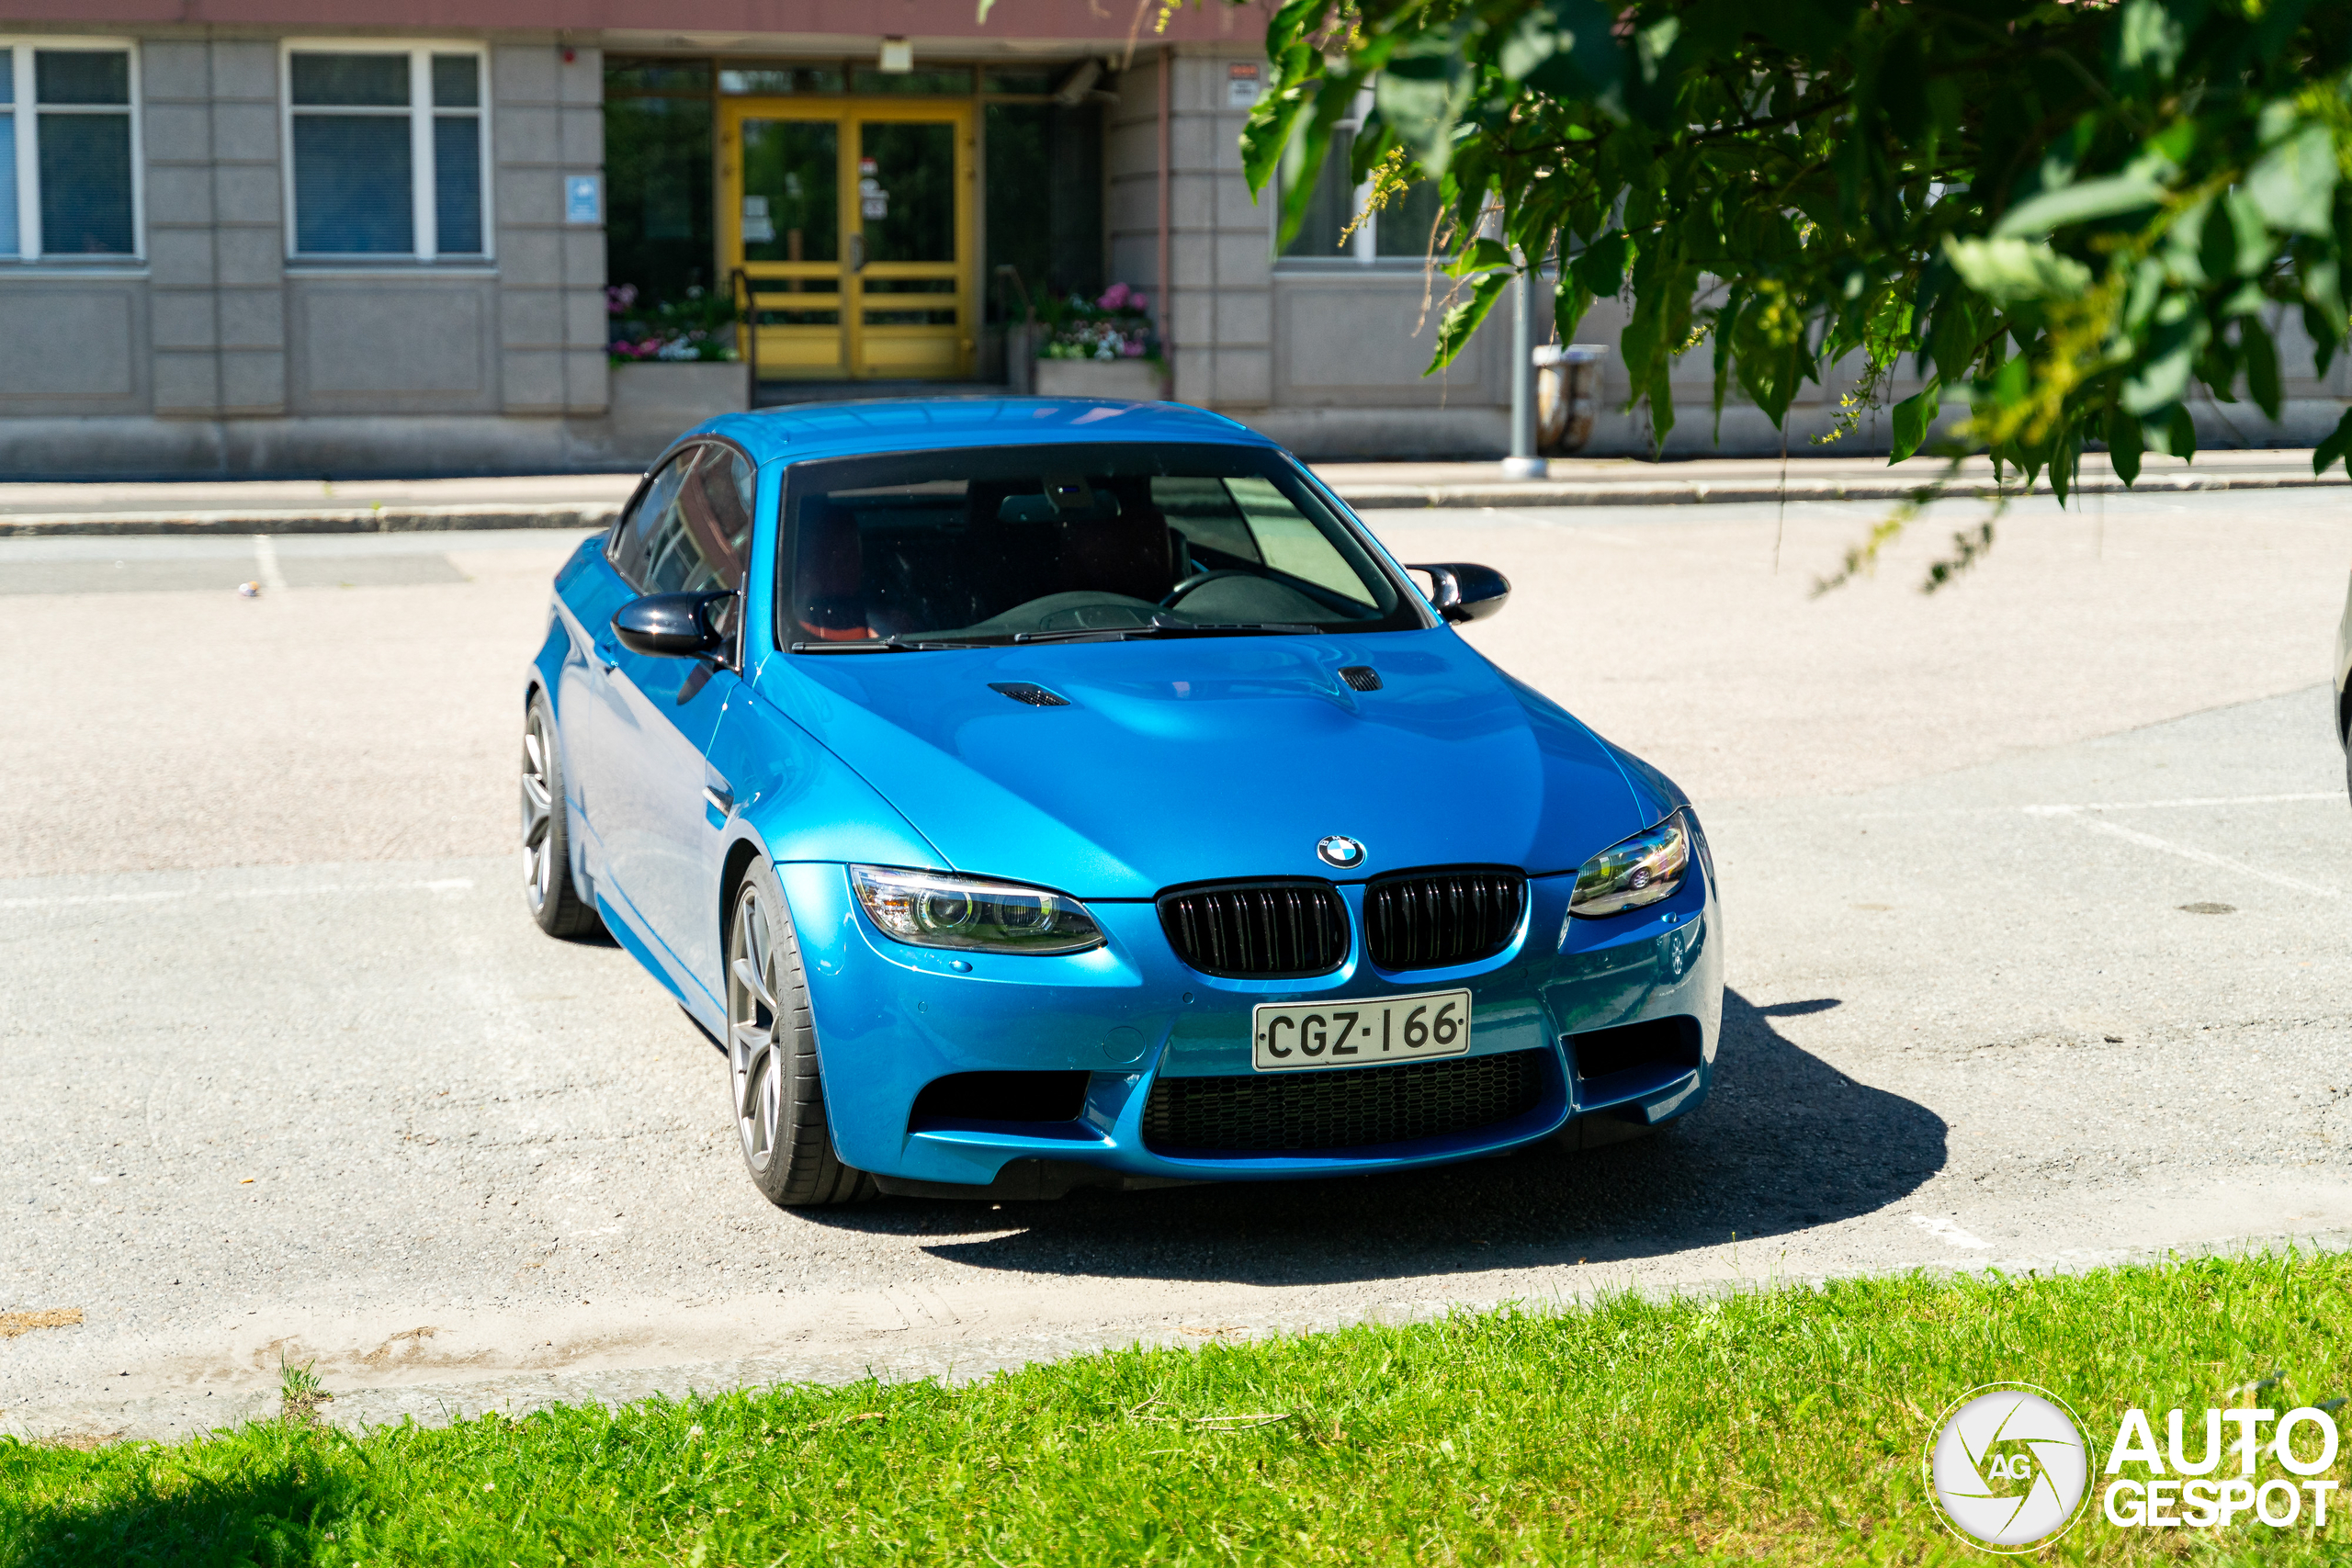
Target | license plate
(1358,1033)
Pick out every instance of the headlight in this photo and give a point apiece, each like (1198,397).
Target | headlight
(1644,869)
(932,908)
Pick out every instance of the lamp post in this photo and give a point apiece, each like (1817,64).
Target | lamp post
(1522,463)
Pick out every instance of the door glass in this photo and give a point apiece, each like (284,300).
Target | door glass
(632,543)
(790,209)
(697,544)
(906,191)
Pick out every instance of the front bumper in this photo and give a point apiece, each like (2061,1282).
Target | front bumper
(890,1019)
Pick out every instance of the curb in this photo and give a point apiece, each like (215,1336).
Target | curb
(1362,498)
(1694,492)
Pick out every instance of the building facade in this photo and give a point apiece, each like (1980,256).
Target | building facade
(250,237)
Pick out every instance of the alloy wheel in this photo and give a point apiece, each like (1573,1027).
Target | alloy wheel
(754,1047)
(539,812)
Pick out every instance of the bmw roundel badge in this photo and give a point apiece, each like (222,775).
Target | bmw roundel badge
(1340,850)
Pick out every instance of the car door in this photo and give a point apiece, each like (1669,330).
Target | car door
(593,717)
(658,804)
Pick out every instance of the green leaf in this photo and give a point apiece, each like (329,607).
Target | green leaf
(1420,93)
(2150,39)
(2337,448)
(2261,365)
(1332,99)
(2180,334)
(2083,203)
(2184,435)
(1292,23)
(1463,321)
(2014,272)
(1601,265)
(2293,185)
(1482,254)
(2123,444)
(1913,416)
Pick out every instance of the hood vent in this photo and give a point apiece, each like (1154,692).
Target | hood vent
(1035,696)
(1360,677)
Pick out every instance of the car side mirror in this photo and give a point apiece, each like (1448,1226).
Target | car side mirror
(1462,592)
(675,625)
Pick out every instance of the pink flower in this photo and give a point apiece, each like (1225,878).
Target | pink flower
(1140,302)
(1114,297)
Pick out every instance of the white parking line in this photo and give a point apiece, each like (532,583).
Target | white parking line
(2165,846)
(2186,800)
(444,884)
(1950,1232)
(265,563)
(2298,798)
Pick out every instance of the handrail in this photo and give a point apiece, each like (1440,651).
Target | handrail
(740,288)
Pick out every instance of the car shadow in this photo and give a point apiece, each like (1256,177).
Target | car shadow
(1784,1143)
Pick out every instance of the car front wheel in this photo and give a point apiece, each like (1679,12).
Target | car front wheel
(778,1097)
(554,902)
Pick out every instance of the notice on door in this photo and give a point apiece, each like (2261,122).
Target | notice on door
(759,229)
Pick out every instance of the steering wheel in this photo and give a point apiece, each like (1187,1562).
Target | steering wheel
(1197,579)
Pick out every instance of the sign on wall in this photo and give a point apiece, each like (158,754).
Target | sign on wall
(583,198)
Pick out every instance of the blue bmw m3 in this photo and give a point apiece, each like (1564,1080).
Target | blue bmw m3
(1038,793)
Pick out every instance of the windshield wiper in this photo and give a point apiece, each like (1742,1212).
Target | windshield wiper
(884,645)
(1160,626)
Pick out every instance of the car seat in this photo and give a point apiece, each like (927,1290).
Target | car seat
(829,576)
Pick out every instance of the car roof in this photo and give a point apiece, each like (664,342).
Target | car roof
(802,430)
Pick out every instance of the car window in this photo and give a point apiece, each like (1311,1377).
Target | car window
(693,531)
(994,543)
(657,502)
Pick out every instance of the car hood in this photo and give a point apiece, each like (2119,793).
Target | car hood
(1197,759)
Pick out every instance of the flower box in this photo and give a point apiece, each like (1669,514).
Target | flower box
(654,400)
(1135,379)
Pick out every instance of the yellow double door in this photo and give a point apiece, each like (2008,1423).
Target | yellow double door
(850,223)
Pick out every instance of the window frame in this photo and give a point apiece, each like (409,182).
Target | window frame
(424,175)
(25,110)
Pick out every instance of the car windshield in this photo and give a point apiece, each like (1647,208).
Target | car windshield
(1047,543)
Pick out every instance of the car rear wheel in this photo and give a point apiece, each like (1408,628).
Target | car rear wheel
(771,1056)
(546,840)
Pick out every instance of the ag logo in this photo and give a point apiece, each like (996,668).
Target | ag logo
(1340,850)
(2006,1467)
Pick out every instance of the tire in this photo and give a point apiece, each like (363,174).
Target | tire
(554,902)
(774,1089)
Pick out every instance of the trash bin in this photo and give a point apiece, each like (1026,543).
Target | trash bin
(1568,395)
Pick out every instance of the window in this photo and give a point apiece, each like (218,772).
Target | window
(388,154)
(69,168)
(987,545)
(691,531)
(1401,231)
(657,167)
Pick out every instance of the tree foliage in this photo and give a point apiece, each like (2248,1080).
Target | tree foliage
(2068,215)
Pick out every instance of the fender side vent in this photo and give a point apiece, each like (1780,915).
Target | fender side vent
(1362,677)
(1035,696)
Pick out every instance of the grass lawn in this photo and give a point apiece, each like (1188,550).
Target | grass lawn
(1783,1426)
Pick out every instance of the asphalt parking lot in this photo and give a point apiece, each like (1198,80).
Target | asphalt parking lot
(2037,896)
